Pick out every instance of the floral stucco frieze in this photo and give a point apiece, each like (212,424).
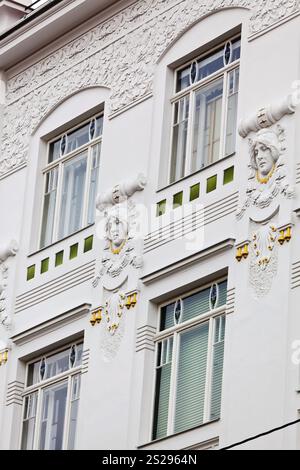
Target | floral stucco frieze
(100,57)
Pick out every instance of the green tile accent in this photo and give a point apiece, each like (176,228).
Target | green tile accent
(59,258)
(44,265)
(73,251)
(161,208)
(30,272)
(88,244)
(211,183)
(228,175)
(177,199)
(194,191)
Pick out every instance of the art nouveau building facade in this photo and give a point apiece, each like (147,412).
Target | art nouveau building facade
(149,242)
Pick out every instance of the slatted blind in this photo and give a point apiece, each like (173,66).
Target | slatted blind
(162,401)
(191,378)
(217,368)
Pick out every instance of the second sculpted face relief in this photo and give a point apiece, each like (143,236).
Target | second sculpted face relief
(117,231)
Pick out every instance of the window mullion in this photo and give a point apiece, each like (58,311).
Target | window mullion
(58,202)
(209,362)
(224,116)
(189,146)
(173,384)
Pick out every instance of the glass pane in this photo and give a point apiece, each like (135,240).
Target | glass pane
(49,207)
(78,138)
(54,151)
(29,422)
(33,373)
(217,372)
(57,364)
(232,104)
(73,191)
(53,417)
(191,381)
(210,64)
(94,182)
(75,394)
(163,376)
(179,140)
(207,128)
(167,316)
(99,126)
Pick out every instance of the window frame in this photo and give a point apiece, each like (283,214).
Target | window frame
(39,388)
(59,163)
(175,332)
(191,92)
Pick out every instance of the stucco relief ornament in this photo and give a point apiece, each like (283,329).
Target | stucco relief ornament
(121,248)
(6,251)
(121,259)
(268,177)
(263,258)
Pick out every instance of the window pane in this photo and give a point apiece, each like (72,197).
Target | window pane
(54,151)
(73,191)
(75,394)
(49,207)
(207,128)
(99,126)
(167,316)
(29,422)
(94,182)
(231,125)
(217,372)
(179,140)
(53,417)
(191,381)
(163,376)
(78,137)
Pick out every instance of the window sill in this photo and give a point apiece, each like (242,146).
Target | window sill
(184,178)
(61,240)
(163,439)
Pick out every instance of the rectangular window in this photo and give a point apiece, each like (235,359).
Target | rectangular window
(51,401)
(189,365)
(71,181)
(205,110)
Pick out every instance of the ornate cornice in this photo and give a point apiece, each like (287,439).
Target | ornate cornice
(100,57)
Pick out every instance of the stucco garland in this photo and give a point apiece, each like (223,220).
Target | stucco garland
(100,57)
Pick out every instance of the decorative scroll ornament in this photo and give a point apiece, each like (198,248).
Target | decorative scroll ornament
(263,258)
(6,251)
(267,178)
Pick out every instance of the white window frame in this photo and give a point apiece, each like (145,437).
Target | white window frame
(191,93)
(59,163)
(39,388)
(174,332)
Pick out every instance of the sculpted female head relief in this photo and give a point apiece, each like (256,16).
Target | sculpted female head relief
(265,150)
(117,232)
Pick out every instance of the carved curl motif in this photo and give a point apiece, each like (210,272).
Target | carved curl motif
(100,58)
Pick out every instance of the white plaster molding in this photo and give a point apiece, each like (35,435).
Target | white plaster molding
(56,323)
(100,57)
(263,258)
(6,251)
(267,116)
